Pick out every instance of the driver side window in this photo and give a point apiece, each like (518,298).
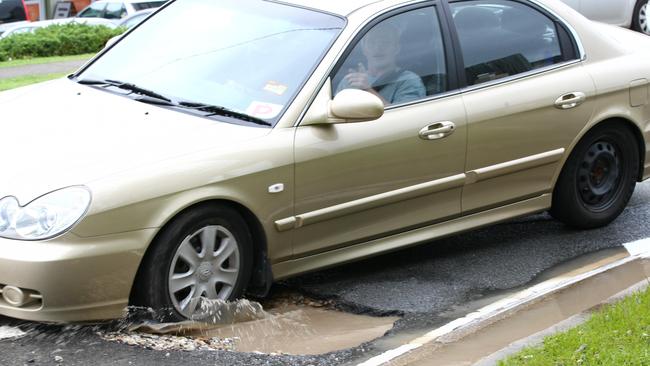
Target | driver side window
(401,59)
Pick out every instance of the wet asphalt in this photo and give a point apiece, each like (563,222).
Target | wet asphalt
(426,285)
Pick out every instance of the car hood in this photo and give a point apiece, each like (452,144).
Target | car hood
(59,134)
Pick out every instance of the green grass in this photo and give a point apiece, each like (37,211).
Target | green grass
(10,83)
(616,335)
(45,60)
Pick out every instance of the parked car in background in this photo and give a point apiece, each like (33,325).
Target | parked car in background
(26,27)
(177,166)
(116,10)
(624,13)
(135,18)
(12,12)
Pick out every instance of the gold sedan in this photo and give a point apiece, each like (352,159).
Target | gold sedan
(222,145)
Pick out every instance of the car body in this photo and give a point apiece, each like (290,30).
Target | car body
(135,18)
(116,10)
(623,13)
(30,27)
(240,160)
(12,12)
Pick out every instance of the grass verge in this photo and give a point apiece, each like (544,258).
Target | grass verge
(44,60)
(618,334)
(10,83)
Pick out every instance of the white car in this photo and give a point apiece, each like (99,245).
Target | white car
(624,13)
(116,10)
(28,27)
(135,18)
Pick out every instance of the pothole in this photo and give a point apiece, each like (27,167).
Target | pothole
(291,324)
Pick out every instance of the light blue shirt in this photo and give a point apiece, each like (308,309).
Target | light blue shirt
(405,86)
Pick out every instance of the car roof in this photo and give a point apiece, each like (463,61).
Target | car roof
(340,7)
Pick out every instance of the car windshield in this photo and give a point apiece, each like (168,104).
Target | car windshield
(251,57)
(94,10)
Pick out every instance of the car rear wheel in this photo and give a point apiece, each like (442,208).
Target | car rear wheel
(205,253)
(598,179)
(640,18)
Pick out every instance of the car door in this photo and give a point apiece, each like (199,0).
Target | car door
(527,98)
(359,181)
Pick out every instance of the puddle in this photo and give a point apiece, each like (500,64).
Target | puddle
(536,317)
(570,268)
(304,331)
(292,325)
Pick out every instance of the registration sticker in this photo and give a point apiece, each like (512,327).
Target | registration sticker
(264,110)
(275,87)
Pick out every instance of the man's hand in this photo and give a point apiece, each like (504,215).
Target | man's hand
(358,79)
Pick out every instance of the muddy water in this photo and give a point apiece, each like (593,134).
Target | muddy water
(303,331)
(287,327)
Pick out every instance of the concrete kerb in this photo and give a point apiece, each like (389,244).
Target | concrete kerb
(489,314)
(572,322)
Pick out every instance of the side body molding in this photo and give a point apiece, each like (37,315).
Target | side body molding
(438,185)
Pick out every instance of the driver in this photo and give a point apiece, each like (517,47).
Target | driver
(383,77)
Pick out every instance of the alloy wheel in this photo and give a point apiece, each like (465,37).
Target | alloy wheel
(643,19)
(206,265)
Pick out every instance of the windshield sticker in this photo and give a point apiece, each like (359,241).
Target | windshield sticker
(275,87)
(264,110)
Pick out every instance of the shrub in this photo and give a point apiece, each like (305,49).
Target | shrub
(57,40)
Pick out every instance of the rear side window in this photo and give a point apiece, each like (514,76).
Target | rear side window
(501,38)
(12,11)
(148,5)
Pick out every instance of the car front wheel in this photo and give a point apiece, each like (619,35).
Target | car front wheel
(204,253)
(640,18)
(598,179)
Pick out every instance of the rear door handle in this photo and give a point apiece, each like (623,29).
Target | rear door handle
(570,100)
(437,130)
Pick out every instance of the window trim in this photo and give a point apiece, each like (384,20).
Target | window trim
(453,84)
(578,54)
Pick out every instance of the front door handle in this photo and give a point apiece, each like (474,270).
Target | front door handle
(570,100)
(437,130)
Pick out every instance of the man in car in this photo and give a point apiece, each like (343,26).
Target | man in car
(383,77)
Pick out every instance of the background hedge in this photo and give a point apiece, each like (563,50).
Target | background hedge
(57,40)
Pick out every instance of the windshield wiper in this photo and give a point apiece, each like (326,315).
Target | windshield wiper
(215,110)
(130,87)
(209,110)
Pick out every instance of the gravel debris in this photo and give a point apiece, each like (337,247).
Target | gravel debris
(169,342)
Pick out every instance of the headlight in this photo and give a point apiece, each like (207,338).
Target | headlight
(44,218)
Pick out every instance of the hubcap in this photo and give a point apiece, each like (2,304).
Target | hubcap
(643,19)
(599,176)
(205,265)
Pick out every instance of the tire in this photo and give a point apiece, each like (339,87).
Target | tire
(171,275)
(598,179)
(640,17)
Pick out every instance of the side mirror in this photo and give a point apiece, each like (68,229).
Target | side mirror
(353,105)
(349,105)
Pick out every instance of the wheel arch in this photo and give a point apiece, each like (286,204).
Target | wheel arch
(262,276)
(623,121)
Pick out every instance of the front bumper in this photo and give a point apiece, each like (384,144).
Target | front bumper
(71,278)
